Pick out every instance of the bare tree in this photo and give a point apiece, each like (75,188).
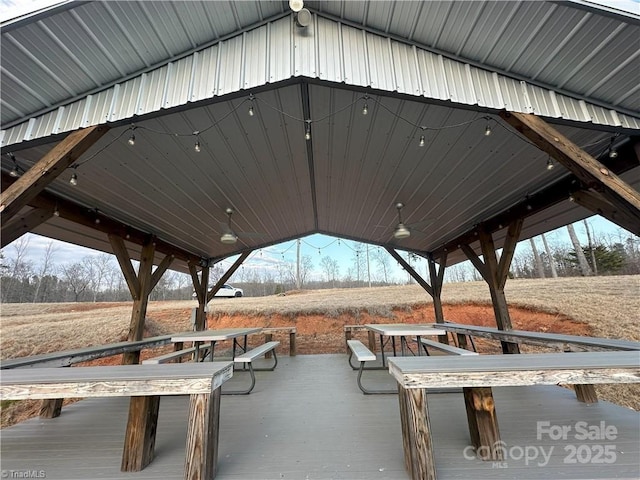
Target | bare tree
(585,270)
(591,248)
(78,277)
(537,259)
(45,268)
(19,269)
(383,260)
(552,263)
(330,268)
(99,266)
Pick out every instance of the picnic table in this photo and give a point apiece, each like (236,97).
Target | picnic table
(476,375)
(145,384)
(213,336)
(402,330)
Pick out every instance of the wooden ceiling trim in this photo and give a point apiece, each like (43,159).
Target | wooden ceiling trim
(47,169)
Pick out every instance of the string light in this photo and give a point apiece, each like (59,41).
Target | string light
(613,153)
(15,170)
(132,140)
(196,146)
(421,142)
(56,212)
(487,131)
(307,133)
(365,108)
(549,163)
(251,114)
(74,179)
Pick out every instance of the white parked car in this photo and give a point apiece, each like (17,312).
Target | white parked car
(229,291)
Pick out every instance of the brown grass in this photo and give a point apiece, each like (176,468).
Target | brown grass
(601,306)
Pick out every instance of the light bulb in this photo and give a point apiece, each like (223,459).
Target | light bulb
(132,140)
(14,172)
(307,133)
(73,180)
(421,143)
(613,153)
(550,164)
(56,212)
(487,131)
(196,147)
(365,109)
(251,111)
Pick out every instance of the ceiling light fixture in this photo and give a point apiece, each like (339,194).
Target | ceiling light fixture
(229,237)
(296,5)
(401,231)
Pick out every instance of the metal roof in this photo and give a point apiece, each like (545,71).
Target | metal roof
(191,67)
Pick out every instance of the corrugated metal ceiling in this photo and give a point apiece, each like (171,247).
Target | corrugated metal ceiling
(347,178)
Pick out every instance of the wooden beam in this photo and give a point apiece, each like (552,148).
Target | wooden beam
(243,256)
(416,276)
(201,314)
(587,169)
(47,169)
(509,248)
(160,269)
(436,272)
(597,203)
(197,285)
(122,255)
(475,260)
(139,310)
(21,224)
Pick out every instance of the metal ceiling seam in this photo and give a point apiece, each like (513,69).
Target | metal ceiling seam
(377,52)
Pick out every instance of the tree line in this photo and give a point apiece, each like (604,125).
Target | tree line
(98,278)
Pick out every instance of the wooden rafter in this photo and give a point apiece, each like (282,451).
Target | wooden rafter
(587,169)
(243,256)
(595,202)
(21,224)
(47,169)
(122,255)
(416,276)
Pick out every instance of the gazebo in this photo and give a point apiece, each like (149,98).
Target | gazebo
(178,134)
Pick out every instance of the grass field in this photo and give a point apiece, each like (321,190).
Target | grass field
(601,306)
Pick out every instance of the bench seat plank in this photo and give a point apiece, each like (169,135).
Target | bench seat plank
(541,338)
(362,353)
(247,357)
(523,369)
(443,347)
(167,357)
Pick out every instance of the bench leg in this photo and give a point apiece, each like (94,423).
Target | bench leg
(416,434)
(140,437)
(202,436)
(483,423)
(586,393)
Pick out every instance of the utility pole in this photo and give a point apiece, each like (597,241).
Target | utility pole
(368,267)
(298,282)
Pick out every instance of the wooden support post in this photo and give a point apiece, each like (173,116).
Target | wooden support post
(586,393)
(202,436)
(371,337)
(267,338)
(415,275)
(292,344)
(483,423)
(243,256)
(140,437)
(416,434)
(200,285)
(51,408)
(437,279)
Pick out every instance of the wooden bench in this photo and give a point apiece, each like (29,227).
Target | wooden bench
(477,375)
(268,336)
(171,356)
(363,355)
(443,347)
(552,340)
(145,384)
(247,359)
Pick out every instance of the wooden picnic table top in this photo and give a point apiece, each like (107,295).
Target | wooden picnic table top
(517,369)
(214,335)
(404,329)
(114,380)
